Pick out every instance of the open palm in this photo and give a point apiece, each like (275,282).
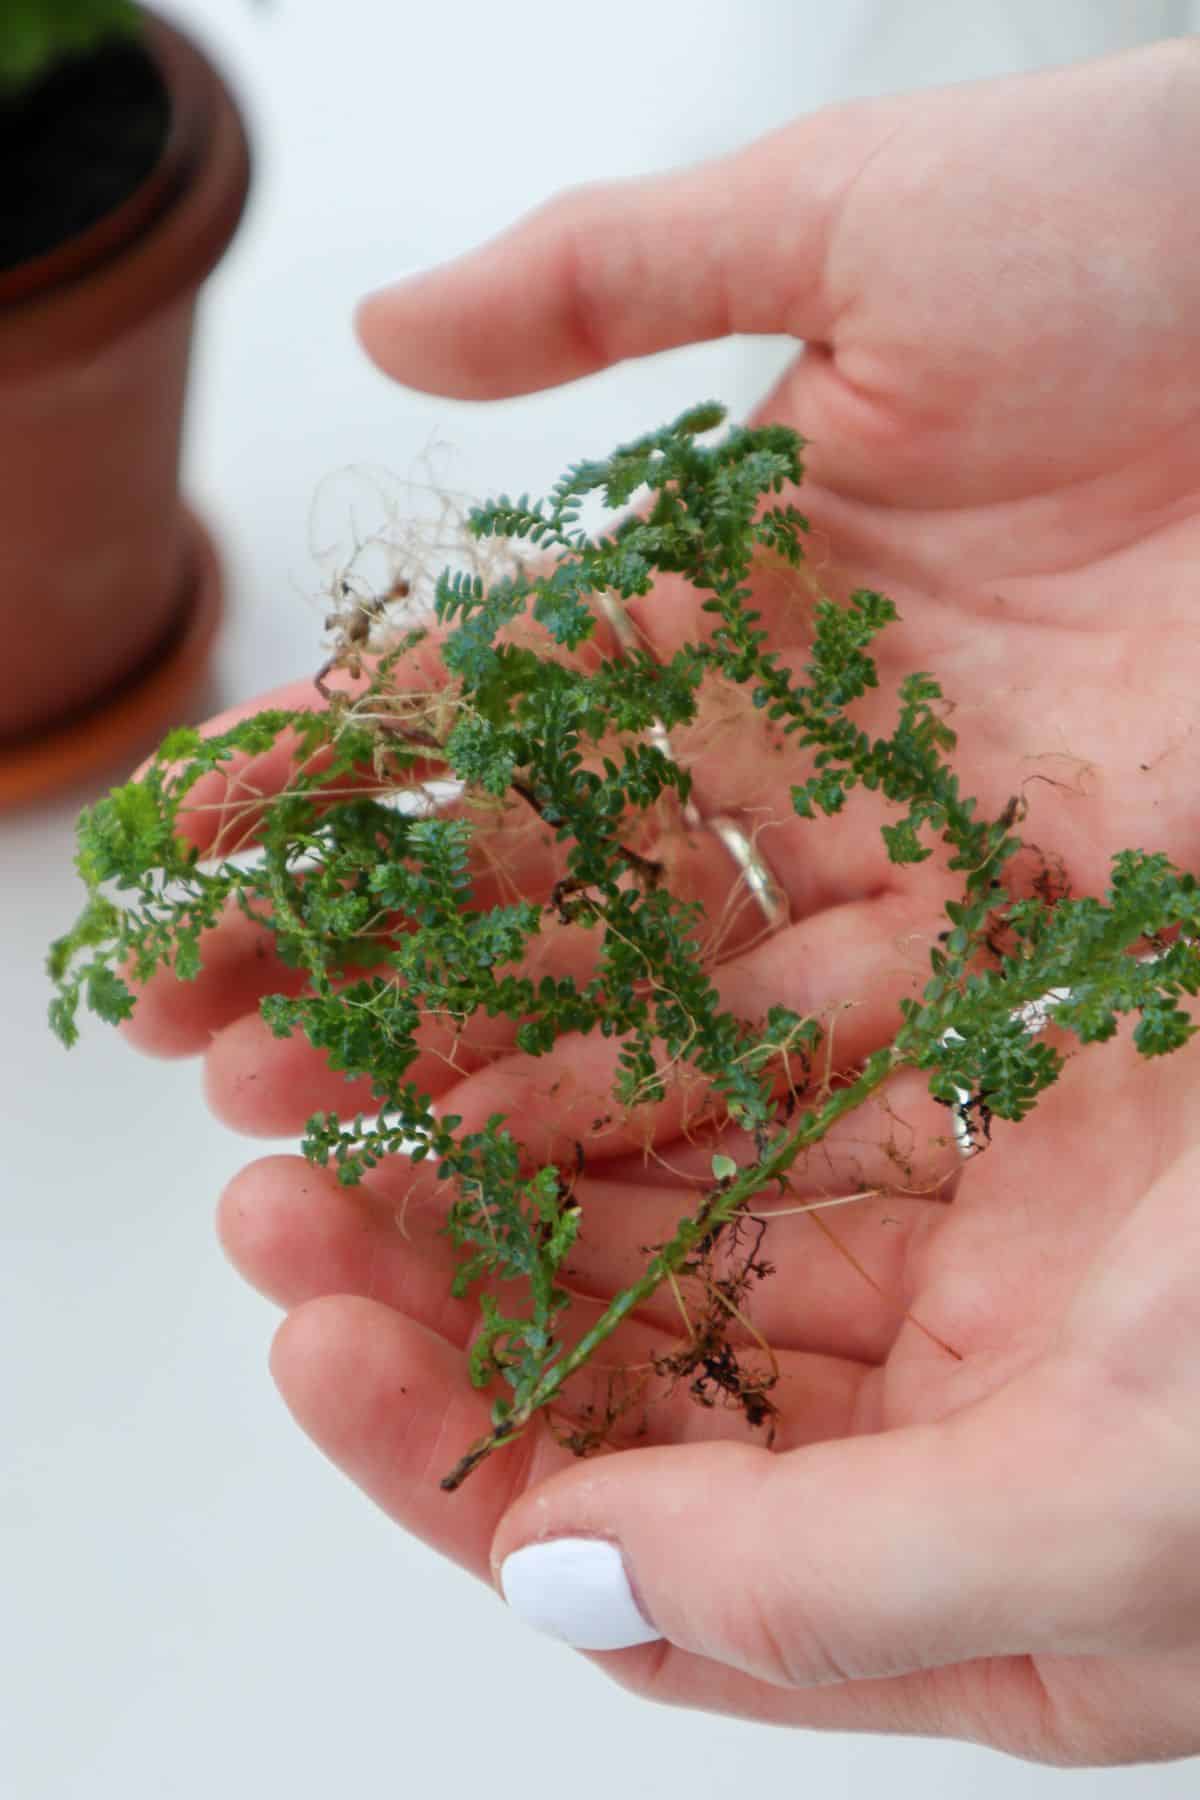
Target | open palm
(997,287)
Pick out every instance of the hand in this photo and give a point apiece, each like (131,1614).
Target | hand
(1003,1548)
(1001,384)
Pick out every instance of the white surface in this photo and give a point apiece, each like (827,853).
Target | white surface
(193,1603)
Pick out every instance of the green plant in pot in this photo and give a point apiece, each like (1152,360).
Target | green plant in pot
(123,173)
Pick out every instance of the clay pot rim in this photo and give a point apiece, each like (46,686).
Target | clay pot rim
(159,244)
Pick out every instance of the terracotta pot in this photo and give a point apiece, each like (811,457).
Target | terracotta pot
(108,588)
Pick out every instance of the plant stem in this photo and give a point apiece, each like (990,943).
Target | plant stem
(720,1206)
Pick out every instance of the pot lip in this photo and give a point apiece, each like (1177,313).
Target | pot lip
(159,243)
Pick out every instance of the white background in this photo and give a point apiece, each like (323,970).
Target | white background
(193,1602)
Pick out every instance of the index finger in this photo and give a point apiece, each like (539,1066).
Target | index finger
(626,268)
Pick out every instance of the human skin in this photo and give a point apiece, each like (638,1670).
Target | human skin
(997,288)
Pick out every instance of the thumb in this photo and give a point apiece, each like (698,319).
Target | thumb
(870,1557)
(622,269)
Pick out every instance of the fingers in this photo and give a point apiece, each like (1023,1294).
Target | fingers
(604,273)
(388,1402)
(840,1235)
(852,963)
(222,810)
(817,1394)
(270,1087)
(238,967)
(295,1233)
(933,1544)
(849,966)
(513,856)
(899,1141)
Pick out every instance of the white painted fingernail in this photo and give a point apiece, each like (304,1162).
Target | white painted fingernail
(576,1589)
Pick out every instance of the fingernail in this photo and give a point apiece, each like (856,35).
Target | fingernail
(576,1589)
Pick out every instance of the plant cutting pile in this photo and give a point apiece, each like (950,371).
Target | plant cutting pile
(375,902)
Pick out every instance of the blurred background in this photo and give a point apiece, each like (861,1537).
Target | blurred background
(193,1601)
